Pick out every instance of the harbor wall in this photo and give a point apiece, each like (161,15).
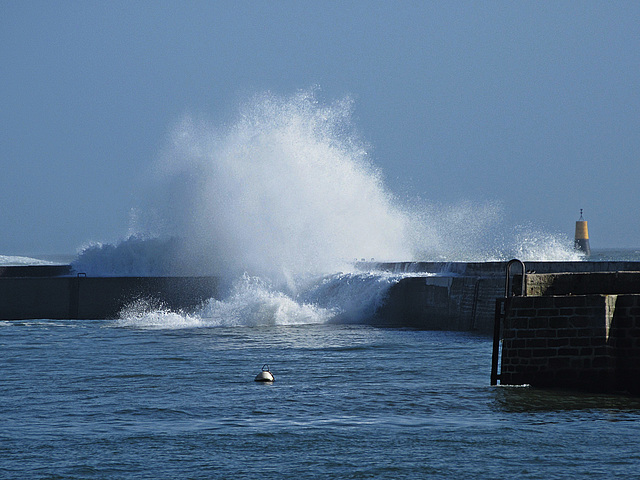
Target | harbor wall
(586,342)
(459,303)
(602,282)
(461,296)
(484,269)
(434,295)
(97,297)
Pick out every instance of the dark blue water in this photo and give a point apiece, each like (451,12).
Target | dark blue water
(94,399)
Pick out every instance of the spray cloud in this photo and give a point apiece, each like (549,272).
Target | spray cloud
(287,188)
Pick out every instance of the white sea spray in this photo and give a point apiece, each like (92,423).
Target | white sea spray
(276,202)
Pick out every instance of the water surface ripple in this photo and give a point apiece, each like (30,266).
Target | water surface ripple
(94,399)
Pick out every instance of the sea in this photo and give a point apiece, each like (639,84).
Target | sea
(164,395)
(281,204)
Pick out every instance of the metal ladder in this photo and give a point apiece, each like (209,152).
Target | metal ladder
(502,305)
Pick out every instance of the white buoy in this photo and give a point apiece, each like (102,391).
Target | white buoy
(265,375)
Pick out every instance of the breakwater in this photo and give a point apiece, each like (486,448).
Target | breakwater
(434,295)
(588,342)
(73,297)
(461,295)
(568,324)
(572,330)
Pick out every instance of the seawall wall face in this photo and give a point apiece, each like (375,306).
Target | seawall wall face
(588,342)
(412,302)
(24,298)
(625,339)
(97,297)
(460,303)
(582,283)
(483,269)
(441,295)
(471,290)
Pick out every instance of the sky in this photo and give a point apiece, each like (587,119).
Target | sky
(532,105)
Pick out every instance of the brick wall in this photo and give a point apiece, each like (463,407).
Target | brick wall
(625,339)
(583,341)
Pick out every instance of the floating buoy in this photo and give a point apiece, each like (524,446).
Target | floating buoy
(265,375)
(582,236)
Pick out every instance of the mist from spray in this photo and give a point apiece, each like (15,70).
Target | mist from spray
(280,201)
(287,189)
(467,232)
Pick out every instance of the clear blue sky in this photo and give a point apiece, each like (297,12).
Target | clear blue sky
(532,104)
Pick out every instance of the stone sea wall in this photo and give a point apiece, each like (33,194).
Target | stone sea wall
(91,298)
(460,303)
(461,295)
(588,342)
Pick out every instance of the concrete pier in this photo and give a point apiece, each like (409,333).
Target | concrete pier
(34,271)
(575,326)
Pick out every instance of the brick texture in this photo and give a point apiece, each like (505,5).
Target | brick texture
(589,342)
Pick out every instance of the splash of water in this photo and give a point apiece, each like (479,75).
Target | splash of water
(287,189)
(12,260)
(531,244)
(136,255)
(288,194)
(253,301)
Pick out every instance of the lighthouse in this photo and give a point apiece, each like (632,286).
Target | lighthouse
(582,236)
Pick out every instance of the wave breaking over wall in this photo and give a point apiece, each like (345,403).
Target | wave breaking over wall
(286,193)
